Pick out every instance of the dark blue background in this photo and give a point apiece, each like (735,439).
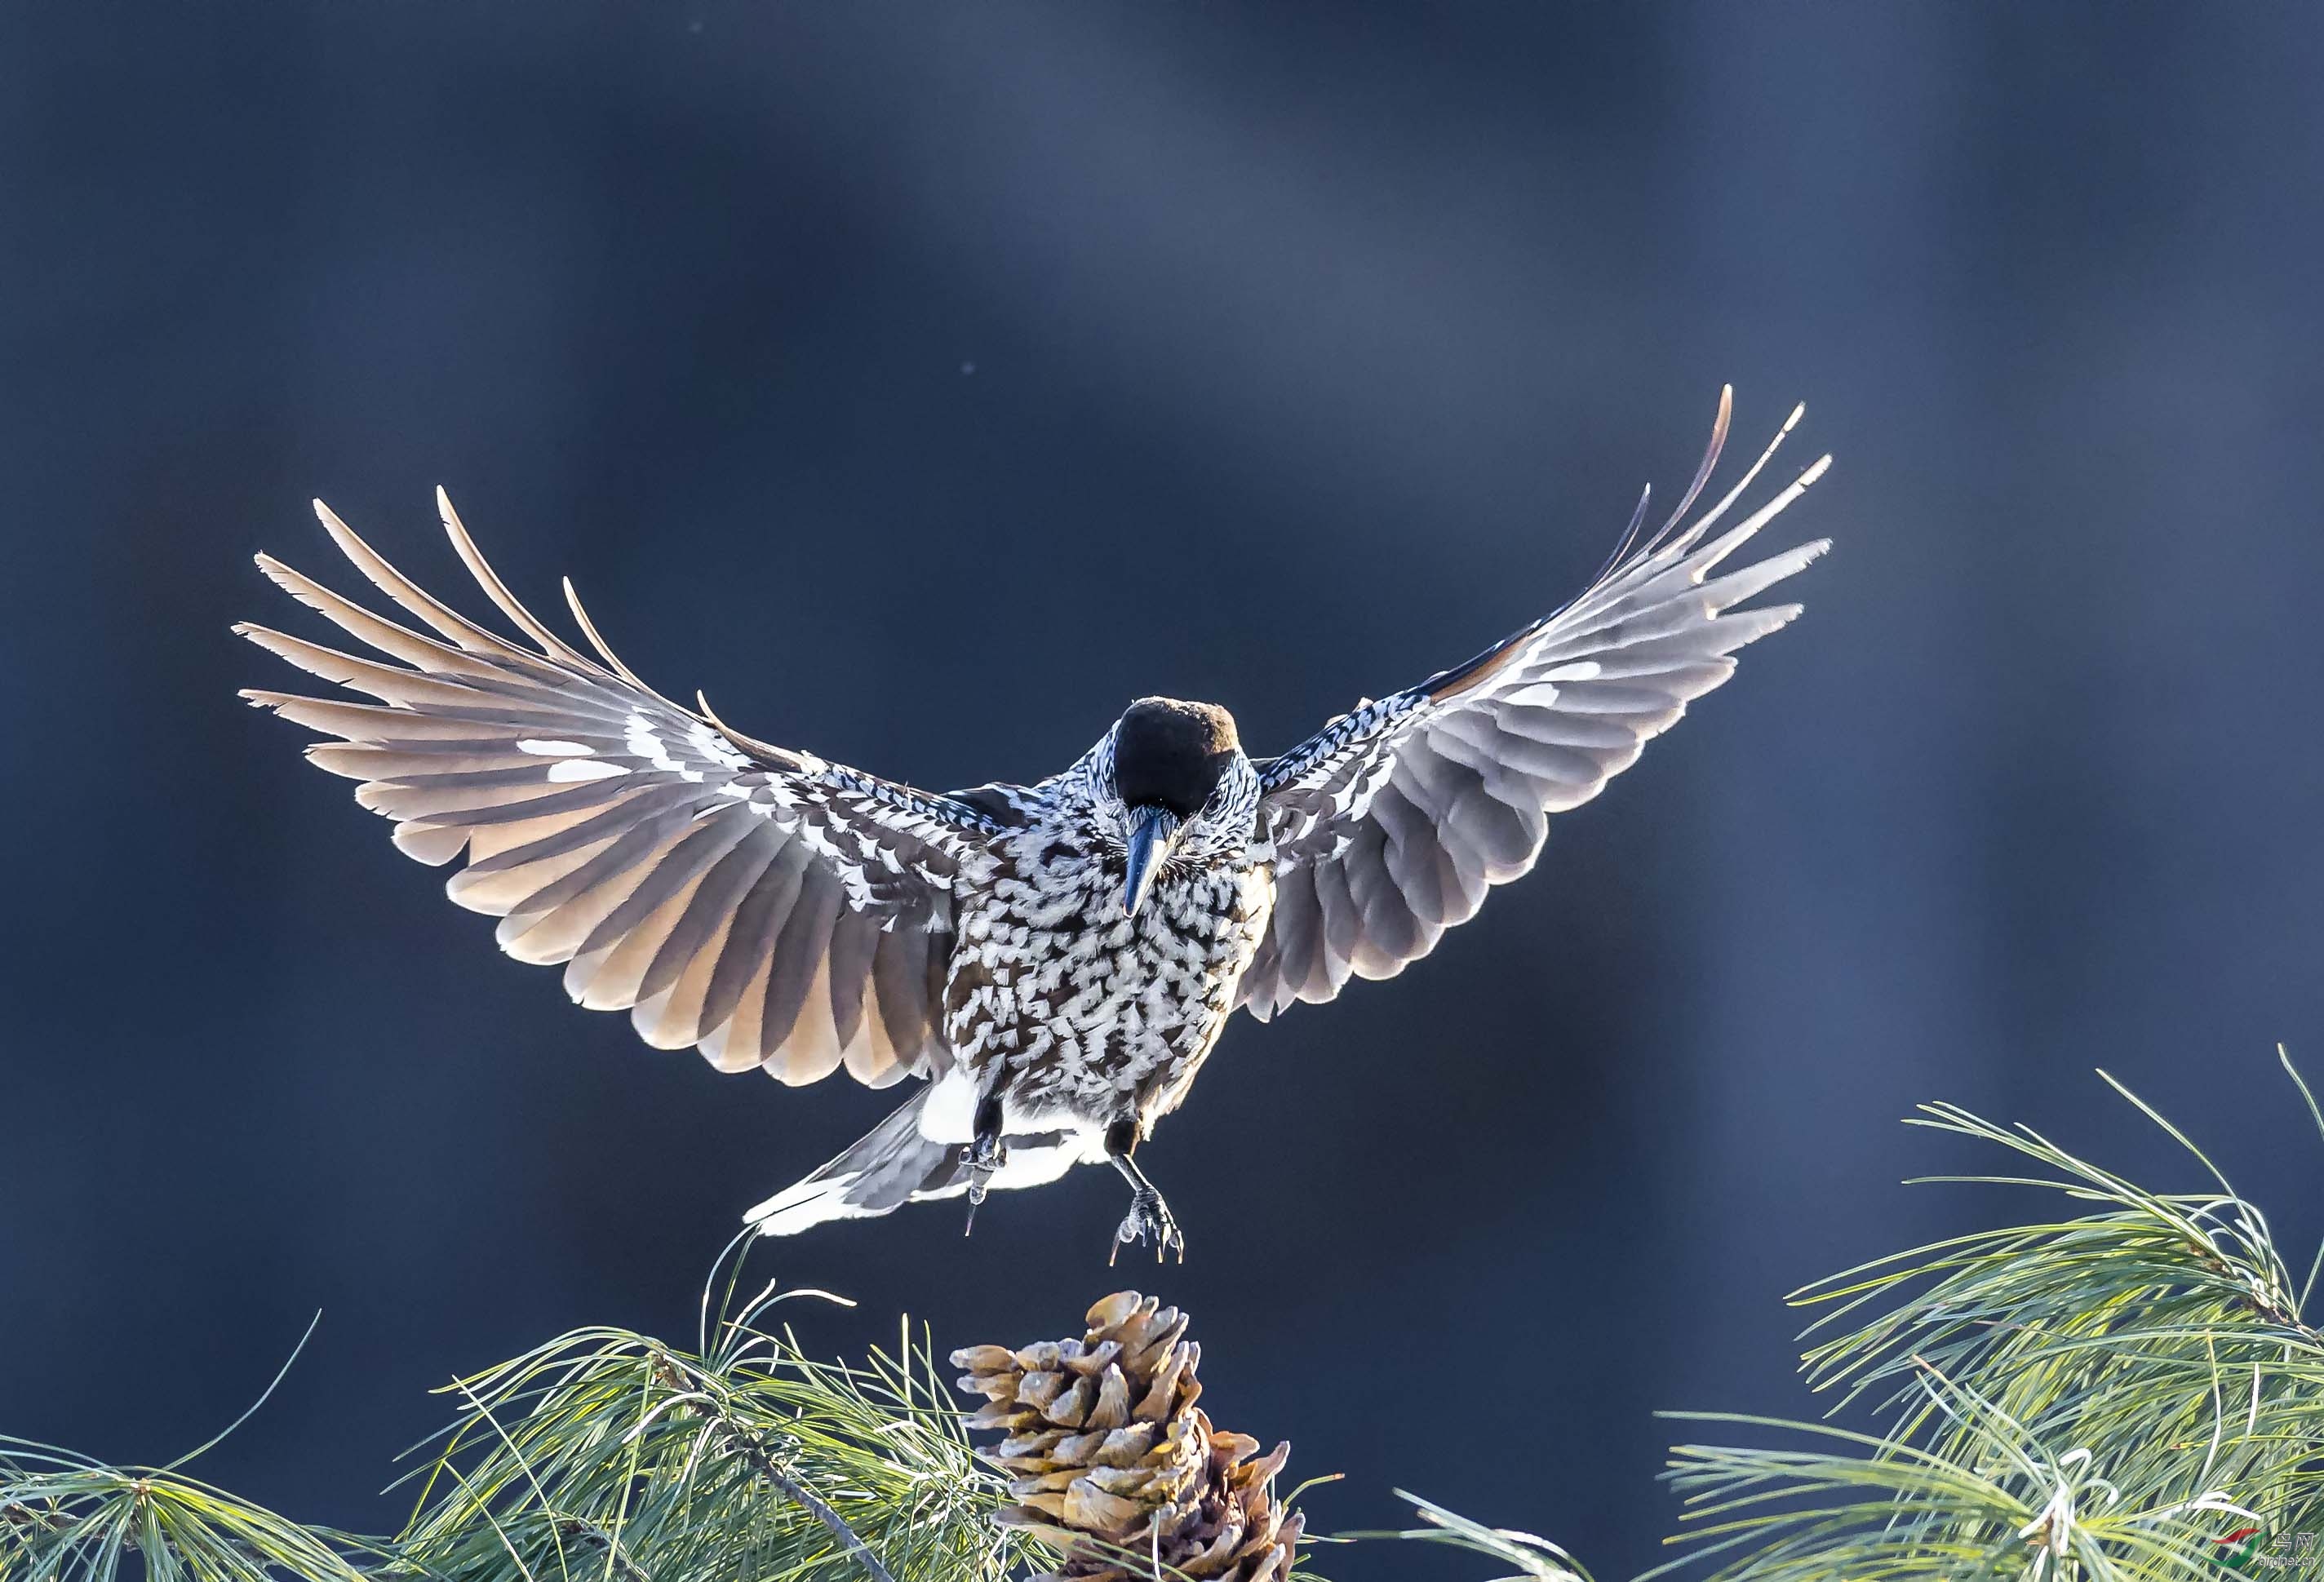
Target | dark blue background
(1311,346)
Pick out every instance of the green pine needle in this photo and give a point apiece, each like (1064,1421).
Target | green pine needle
(2100,1396)
(603,1456)
(64,1516)
(610,1455)
(2104,1396)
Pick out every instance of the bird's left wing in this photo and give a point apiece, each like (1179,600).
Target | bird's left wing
(1391,823)
(766,906)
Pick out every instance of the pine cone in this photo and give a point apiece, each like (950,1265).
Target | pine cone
(1111,1463)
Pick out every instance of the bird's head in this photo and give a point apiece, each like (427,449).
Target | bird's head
(1175,781)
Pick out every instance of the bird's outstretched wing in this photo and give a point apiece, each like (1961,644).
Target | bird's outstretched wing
(769,907)
(1391,823)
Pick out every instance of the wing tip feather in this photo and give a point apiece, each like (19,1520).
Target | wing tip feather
(265,637)
(1776,618)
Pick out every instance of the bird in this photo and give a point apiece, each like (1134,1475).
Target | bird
(1053,963)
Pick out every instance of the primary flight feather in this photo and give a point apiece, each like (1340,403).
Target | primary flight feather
(1054,962)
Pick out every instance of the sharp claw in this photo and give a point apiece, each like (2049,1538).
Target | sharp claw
(1149,1216)
(984,1158)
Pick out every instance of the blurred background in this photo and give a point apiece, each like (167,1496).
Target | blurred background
(925,382)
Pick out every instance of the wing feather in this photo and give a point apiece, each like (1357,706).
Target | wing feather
(799,955)
(854,937)
(1391,823)
(909,988)
(758,922)
(735,1045)
(723,883)
(765,905)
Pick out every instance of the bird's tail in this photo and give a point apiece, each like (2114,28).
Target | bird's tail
(897,1163)
(892,1165)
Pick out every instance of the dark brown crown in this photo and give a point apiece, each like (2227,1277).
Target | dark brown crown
(1170,754)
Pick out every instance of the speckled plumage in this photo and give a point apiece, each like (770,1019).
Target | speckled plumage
(1056,961)
(1076,1007)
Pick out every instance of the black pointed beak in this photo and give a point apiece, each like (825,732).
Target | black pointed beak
(1151,830)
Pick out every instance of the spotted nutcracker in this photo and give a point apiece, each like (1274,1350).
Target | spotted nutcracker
(1055,961)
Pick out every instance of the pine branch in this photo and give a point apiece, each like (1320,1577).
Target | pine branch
(599,1538)
(743,1460)
(2106,1395)
(746,1444)
(602,1454)
(65,1516)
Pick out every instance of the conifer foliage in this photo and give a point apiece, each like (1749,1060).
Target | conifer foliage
(2129,1389)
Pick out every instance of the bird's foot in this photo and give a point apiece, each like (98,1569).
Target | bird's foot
(984,1158)
(1150,1216)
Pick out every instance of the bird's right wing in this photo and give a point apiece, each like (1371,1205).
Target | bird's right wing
(765,905)
(1391,823)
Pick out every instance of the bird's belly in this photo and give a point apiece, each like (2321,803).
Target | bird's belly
(1096,1015)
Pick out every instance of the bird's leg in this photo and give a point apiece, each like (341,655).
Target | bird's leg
(984,1154)
(1149,1214)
